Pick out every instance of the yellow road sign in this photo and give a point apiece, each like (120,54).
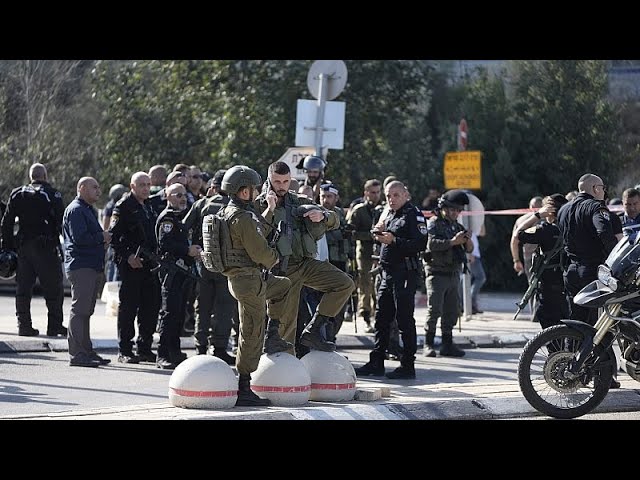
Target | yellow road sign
(463,170)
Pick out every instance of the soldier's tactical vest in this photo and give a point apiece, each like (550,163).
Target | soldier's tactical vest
(218,252)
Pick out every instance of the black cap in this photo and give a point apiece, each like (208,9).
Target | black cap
(330,187)
(453,198)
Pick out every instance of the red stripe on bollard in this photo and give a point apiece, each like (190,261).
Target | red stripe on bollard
(195,393)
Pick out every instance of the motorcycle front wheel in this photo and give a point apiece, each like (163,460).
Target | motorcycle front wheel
(546,382)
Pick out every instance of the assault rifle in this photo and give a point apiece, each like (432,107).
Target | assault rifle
(539,265)
(163,262)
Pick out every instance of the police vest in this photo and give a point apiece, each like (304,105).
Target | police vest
(218,252)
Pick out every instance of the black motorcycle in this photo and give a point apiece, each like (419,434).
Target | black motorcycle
(565,371)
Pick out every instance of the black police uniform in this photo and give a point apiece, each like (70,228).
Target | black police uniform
(132,226)
(588,239)
(552,301)
(173,245)
(400,266)
(213,325)
(158,201)
(39,209)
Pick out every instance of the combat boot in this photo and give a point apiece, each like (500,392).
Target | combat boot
(448,348)
(246,397)
(374,367)
(28,331)
(273,342)
(312,336)
(429,351)
(403,372)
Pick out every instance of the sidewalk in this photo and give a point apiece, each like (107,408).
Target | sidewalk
(494,328)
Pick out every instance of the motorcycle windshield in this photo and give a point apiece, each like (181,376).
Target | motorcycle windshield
(624,259)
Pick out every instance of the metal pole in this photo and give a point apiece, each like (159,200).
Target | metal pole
(466,285)
(322,100)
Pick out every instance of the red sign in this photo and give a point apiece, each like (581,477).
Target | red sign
(463,131)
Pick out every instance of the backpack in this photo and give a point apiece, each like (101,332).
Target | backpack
(218,253)
(214,229)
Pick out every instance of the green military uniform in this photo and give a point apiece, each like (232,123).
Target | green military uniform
(216,310)
(444,265)
(297,248)
(362,218)
(256,293)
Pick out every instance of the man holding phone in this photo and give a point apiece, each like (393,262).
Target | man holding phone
(447,247)
(403,236)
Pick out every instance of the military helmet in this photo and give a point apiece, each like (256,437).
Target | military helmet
(117,191)
(312,162)
(454,199)
(238,177)
(8,264)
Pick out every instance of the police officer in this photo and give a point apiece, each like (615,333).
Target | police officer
(314,167)
(362,220)
(403,236)
(447,247)
(305,224)
(258,292)
(173,245)
(588,236)
(552,302)
(39,209)
(213,325)
(133,227)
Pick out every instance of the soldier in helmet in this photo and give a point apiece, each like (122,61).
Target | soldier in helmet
(314,167)
(213,325)
(447,247)
(248,259)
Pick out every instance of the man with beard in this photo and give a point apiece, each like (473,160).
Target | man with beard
(297,248)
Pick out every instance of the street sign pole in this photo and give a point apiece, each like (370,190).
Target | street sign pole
(322,99)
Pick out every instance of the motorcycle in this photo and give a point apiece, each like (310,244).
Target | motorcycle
(565,371)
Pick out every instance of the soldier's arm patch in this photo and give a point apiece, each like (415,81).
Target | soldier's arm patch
(423,229)
(166,227)
(113,221)
(605,214)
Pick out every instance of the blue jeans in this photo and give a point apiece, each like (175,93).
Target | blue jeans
(478,279)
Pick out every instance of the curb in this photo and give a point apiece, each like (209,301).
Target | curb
(342,341)
(458,409)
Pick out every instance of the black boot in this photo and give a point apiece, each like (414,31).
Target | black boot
(375,366)
(273,342)
(403,372)
(312,336)
(448,348)
(28,331)
(246,397)
(429,351)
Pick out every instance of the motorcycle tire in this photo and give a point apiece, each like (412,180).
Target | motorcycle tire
(560,335)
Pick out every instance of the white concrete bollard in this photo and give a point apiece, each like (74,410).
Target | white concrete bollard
(333,378)
(283,379)
(203,381)
(111,298)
